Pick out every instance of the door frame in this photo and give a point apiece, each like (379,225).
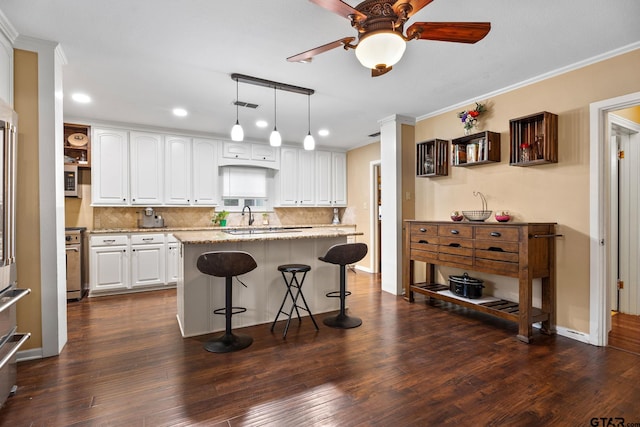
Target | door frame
(373,216)
(601,168)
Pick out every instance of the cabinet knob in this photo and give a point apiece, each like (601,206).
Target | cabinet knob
(423,230)
(455,232)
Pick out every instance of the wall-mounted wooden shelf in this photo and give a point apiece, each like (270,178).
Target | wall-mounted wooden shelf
(477,149)
(533,139)
(432,158)
(81,155)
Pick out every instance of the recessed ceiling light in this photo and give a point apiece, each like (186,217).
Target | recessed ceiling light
(262,123)
(323,132)
(180,112)
(81,97)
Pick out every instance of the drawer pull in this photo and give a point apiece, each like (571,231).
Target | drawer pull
(423,241)
(147,239)
(495,249)
(423,230)
(454,245)
(109,241)
(455,232)
(495,234)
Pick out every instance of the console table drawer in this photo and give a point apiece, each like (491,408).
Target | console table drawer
(496,255)
(465,260)
(510,234)
(456,230)
(423,230)
(424,243)
(424,256)
(497,246)
(497,267)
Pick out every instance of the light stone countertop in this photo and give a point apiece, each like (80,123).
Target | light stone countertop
(219,236)
(210,229)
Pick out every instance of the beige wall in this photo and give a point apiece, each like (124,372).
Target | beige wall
(29,316)
(359,190)
(556,192)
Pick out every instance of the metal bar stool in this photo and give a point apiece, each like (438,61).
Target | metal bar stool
(227,264)
(297,285)
(343,254)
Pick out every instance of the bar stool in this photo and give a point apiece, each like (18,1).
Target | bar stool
(293,269)
(343,254)
(227,264)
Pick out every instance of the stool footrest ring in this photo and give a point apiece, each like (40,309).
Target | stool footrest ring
(336,294)
(234,310)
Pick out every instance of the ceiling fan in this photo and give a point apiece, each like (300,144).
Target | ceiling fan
(380,26)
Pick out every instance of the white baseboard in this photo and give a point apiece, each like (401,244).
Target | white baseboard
(31,354)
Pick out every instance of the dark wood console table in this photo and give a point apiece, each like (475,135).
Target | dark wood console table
(525,251)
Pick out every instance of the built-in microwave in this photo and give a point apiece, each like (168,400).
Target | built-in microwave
(71,181)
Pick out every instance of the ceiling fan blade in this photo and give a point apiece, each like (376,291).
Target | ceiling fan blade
(341,8)
(375,72)
(460,32)
(416,5)
(306,56)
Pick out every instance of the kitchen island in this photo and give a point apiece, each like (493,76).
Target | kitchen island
(198,294)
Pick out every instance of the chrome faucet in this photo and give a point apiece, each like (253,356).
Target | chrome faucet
(250,215)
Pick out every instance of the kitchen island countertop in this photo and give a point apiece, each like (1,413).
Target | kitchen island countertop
(170,229)
(258,234)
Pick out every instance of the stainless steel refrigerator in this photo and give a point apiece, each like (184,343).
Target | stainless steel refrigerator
(10,340)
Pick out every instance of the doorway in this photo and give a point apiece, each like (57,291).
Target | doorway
(375,220)
(604,231)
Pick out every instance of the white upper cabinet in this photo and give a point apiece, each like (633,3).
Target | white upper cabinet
(147,154)
(177,172)
(205,172)
(331,178)
(297,177)
(110,169)
(249,154)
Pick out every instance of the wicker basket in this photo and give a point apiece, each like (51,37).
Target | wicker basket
(476,215)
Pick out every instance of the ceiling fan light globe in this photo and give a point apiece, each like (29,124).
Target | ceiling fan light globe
(237,133)
(275,140)
(309,142)
(380,49)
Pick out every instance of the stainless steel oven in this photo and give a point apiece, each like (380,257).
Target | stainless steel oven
(71,181)
(76,284)
(10,340)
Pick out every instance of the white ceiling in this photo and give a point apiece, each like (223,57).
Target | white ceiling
(138,59)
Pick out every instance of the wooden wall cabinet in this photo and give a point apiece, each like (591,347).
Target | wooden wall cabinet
(533,139)
(79,152)
(476,149)
(432,158)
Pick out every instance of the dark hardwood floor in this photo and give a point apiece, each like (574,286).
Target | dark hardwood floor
(422,364)
(625,332)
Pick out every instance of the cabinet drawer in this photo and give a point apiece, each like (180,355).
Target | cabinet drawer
(423,230)
(144,239)
(456,230)
(496,246)
(510,234)
(108,240)
(428,243)
(456,259)
(447,243)
(496,255)
(497,267)
(424,256)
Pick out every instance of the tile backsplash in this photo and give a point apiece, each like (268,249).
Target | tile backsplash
(127,217)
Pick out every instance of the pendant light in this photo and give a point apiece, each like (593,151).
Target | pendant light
(275,139)
(237,134)
(309,142)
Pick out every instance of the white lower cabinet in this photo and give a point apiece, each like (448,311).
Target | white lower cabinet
(147,260)
(121,263)
(109,263)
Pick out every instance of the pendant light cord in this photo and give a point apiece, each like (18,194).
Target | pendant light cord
(275,109)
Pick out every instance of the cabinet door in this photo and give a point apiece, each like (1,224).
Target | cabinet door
(205,172)
(147,265)
(236,150)
(288,176)
(339,178)
(173,259)
(146,168)
(177,189)
(263,152)
(109,268)
(323,178)
(110,171)
(306,177)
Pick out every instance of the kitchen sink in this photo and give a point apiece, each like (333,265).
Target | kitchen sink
(241,231)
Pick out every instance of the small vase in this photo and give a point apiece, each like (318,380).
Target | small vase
(525,155)
(468,131)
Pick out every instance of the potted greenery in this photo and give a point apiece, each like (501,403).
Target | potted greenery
(220,218)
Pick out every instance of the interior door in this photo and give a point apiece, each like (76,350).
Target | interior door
(628,297)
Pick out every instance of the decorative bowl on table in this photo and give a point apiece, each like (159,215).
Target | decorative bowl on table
(503,216)
(476,215)
(456,216)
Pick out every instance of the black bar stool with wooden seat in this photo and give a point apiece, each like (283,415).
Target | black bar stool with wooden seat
(293,283)
(343,254)
(227,264)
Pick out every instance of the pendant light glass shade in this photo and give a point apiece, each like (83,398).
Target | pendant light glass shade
(381,49)
(237,133)
(309,142)
(275,140)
